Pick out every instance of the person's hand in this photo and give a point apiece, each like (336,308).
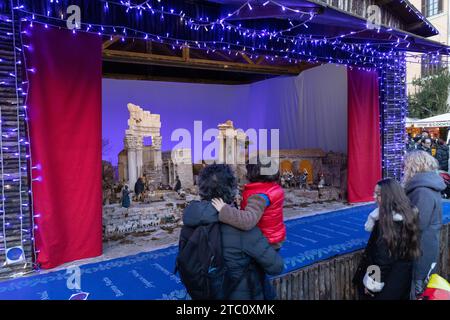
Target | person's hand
(238,200)
(218,204)
(368,293)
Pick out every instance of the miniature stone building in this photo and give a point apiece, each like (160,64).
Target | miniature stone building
(118,221)
(136,159)
(178,163)
(297,160)
(232,146)
(233,149)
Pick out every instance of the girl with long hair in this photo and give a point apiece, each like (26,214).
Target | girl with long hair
(385,272)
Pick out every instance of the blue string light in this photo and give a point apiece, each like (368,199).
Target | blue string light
(381,56)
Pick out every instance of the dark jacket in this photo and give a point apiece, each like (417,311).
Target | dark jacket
(177,185)
(442,157)
(139,186)
(240,249)
(126,198)
(424,191)
(396,274)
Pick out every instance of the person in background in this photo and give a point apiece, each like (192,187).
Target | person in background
(126,202)
(425,145)
(423,185)
(262,204)
(392,247)
(304,179)
(177,186)
(425,135)
(442,155)
(410,143)
(139,188)
(247,254)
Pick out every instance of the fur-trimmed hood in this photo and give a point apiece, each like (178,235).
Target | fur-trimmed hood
(374,216)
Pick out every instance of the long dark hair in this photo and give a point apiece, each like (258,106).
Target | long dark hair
(217,181)
(403,244)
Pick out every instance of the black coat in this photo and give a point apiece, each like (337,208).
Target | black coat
(139,186)
(424,191)
(395,273)
(177,185)
(442,157)
(242,250)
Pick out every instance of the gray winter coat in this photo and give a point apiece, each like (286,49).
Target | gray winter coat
(424,191)
(240,249)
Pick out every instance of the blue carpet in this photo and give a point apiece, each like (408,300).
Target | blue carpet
(149,275)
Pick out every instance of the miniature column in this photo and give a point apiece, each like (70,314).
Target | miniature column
(222,140)
(139,155)
(130,146)
(156,142)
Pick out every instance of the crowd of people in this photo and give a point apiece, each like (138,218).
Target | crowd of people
(239,246)
(436,147)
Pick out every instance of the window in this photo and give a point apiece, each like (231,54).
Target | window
(432,7)
(429,67)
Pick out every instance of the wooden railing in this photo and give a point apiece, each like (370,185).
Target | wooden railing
(332,279)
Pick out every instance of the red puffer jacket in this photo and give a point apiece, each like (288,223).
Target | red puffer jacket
(271,223)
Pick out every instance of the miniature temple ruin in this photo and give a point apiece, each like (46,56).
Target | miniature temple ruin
(136,159)
(232,144)
(178,162)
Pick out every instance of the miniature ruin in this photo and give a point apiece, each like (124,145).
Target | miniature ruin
(308,176)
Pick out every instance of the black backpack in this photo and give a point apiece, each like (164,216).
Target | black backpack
(200,262)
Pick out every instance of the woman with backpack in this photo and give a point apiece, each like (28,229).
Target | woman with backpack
(385,271)
(423,185)
(236,261)
(262,204)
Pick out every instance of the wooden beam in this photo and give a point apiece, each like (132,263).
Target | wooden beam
(122,76)
(109,42)
(246,58)
(166,50)
(173,61)
(148,46)
(224,56)
(260,59)
(186,53)
(414,26)
(383,2)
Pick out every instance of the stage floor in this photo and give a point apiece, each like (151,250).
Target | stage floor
(150,275)
(135,243)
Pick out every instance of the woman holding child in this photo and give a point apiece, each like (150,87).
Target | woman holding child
(246,251)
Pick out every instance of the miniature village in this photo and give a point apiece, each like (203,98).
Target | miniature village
(313,181)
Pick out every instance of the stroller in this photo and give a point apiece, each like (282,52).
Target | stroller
(437,287)
(446,176)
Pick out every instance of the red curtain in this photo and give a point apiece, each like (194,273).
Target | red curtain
(364,146)
(65,134)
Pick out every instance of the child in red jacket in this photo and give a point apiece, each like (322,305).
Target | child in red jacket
(262,205)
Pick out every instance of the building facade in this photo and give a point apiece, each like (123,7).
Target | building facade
(437,12)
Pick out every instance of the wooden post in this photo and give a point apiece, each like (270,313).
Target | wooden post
(186,55)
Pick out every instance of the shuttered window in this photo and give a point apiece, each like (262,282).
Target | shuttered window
(432,7)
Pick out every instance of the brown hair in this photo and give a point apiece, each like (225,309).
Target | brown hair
(403,244)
